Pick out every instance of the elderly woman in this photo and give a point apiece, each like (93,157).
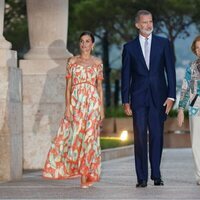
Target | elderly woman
(191,93)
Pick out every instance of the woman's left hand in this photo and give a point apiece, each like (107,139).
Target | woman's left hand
(180,117)
(102,115)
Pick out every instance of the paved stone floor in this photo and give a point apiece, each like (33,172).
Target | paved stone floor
(117,182)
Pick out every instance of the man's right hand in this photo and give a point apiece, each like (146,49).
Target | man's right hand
(127,109)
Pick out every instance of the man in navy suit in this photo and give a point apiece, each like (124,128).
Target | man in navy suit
(148,93)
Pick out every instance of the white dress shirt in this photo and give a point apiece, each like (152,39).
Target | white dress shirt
(142,44)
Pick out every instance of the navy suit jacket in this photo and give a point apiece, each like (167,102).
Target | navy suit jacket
(138,80)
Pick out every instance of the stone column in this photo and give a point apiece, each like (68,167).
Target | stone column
(4,44)
(47,23)
(44,78)
(10,112)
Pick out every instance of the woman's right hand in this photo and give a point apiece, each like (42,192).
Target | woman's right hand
(102,115)
(180,117)
(67,113)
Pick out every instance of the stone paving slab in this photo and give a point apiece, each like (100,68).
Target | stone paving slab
(117,182)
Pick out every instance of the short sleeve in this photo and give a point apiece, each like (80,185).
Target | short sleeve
(100,72)
(69,70)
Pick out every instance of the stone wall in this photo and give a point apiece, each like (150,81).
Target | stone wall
(10,117)
(43,107)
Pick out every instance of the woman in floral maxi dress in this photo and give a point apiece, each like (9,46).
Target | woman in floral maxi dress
(75,151)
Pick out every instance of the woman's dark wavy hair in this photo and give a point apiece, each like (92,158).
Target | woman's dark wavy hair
(89,34)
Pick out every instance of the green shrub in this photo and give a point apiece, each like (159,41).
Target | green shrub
(119,112)
(114,112)
(110,142)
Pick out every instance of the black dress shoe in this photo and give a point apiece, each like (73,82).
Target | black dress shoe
(141,184)
(158,182)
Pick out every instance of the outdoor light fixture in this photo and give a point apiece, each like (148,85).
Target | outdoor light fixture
(124,135)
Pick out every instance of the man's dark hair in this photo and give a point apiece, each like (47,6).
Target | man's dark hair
(141,12)
(89,34)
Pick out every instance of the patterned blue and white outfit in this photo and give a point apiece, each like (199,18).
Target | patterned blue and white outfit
(190,93)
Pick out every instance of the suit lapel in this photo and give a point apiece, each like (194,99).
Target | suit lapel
(152,52)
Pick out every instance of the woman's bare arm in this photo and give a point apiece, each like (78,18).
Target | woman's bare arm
(100,92)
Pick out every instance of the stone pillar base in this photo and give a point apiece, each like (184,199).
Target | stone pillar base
(4,44)
(47,53)
(43,107)
(10,117)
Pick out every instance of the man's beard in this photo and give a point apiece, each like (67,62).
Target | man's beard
(146,32)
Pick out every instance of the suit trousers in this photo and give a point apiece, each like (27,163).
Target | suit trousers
(148,121)
(195,140)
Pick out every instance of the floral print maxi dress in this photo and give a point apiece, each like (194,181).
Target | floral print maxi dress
(76,148)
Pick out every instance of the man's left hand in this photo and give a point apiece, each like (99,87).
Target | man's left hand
(169,104)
